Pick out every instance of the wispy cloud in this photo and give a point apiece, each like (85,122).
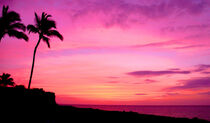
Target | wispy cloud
(174,69)
(146,81)
(5,2)
(172,94)
(205,72)
(202,82)
(186,42)
(195,27)
(157,73)
(140,94)
(150,80)
(204,93)
(112,82)
(191,46)
(157,44)
(113,77)
(202,67)
(120,12)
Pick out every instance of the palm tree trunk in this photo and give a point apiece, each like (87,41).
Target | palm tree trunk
(32,68)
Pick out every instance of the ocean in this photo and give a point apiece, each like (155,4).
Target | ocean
(201,112)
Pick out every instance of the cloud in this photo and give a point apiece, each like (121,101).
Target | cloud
(150,81)
(186,42)
(172,94)
(146,81)
(121,12)
(185,28)
(174,69)
(204,93)
(112,82)
(113,77)
(203,82)
(206,72)
(5,2)
(140,94)
(202,67)
(157,44)
(175,44)
(172,44)
(157,73)
(191,46)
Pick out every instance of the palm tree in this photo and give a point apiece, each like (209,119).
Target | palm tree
(10,24)
(5,80)
(45,28)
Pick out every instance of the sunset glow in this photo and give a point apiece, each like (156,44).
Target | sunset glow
(142,52)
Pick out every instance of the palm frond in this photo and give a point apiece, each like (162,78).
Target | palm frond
(46,39)
(43,16)
(18,26)
(10,79)
(55,33)
(51,23)
(17,34)
(47,25)
(4,10)
(37,19)
(32,28)
(47,16)
(13,16)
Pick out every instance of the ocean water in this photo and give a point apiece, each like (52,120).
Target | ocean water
(201,112)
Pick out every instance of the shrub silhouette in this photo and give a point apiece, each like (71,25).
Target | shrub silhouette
(44,27)
(10,25)
(5,80)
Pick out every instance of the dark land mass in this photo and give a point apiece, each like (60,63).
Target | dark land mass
(20,105)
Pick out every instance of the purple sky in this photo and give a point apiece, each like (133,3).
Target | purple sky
(116,51)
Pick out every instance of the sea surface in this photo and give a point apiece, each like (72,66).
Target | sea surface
(201,112)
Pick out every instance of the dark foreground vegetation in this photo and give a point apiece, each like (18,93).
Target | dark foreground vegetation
(20,105)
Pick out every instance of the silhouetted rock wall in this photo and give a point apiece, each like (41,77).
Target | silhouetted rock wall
(22,103)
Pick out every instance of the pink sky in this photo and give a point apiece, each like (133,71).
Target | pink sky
(116,51)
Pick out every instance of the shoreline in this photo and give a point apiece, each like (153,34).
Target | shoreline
(19,104)
(189,111)
(129,116)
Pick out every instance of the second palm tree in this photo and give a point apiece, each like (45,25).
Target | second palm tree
(10,24)
(45,28)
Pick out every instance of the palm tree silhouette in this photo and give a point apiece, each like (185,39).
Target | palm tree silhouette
(45,28)
(10,24)
(5,80)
